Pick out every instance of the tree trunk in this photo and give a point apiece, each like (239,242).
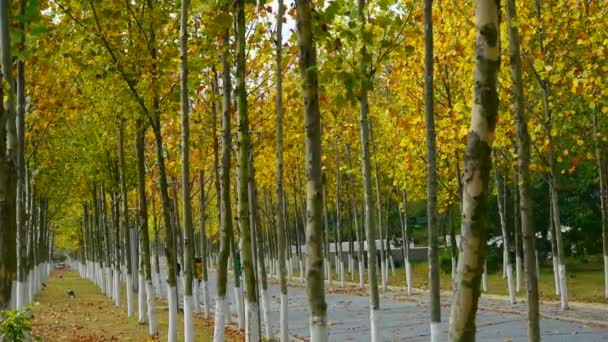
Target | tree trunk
(431,173)
(21,173)
(502,212)
(8,181)
(600,156)
(188,230)
(554,254)
(523,167)
(477,164)
(383,274)
(281,226)
(251,325)
(204,251)
(256,228)
(406,245)
(143,228)
(221,306)
(553,174)
(315,286)
(364,68)
(517,233)
(125,218)
(340,253)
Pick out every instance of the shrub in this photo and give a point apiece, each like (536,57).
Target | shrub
(16,325)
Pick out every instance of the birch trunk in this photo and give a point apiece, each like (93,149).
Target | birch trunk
(477,164)
(523,168)
(315,286)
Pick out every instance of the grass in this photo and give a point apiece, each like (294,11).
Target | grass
(91,316)
(585,282)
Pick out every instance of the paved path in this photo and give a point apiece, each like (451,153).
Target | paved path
(406,319)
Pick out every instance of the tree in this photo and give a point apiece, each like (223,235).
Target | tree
(221,306)
(315,287)
(364,69)
(8,170)
(523,169)
(477,164)
(280,220)
(431,172)
(187,212)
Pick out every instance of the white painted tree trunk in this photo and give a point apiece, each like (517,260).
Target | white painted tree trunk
(341,272)
(196,305)
(220,323)
(109,282)
(284,333)
(374,318)
(351,268)
(454,266)
(484,277)
(318,332)
(116,288)
(361,274)
(556,275)
(172,299)
(13,302)
(383,274)
(141,299)
(606,276)
(408,276)
(240,308)
(302,271)
(518,273)
(129,289)
(206,303)
(392,264)
(252,332)
(152,322)
(21,299)
(510,284)
(32,285)
(158,286)
(188,318)
(436,332)
(563,287)
(266,314)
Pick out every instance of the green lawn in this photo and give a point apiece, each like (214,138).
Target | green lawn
(585,282)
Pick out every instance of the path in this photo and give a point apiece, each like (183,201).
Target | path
(407,319)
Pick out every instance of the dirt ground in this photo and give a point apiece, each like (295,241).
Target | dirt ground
(91,316)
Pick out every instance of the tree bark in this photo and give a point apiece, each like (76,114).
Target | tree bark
(251,325)
(477,164)
(523,168)
(8,189)
(221,306)
(315,286)
(600,157)
(125,218)
(431,172)
(280,218)
(188,230)
(143,228)
(502,212)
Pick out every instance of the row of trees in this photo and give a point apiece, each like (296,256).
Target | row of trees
(102,122)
